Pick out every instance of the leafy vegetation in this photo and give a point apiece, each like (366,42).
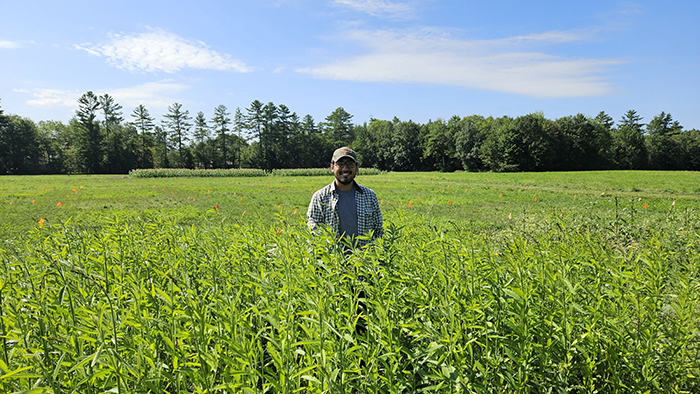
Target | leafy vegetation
(483,283)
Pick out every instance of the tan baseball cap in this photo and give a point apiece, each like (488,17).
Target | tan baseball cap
(344,152)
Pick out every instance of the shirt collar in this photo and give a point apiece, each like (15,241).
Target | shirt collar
(334,187)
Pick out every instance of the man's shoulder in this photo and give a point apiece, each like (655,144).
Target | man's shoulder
(324,191)
(365,190)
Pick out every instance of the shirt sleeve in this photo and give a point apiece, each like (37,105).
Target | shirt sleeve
(377,220)
(314,214)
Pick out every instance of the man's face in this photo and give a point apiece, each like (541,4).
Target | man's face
(342,171)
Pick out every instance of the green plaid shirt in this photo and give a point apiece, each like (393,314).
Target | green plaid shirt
(323,210)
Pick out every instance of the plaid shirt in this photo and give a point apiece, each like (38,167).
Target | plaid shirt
(323,210)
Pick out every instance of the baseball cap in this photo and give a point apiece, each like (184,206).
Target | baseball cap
(344,152)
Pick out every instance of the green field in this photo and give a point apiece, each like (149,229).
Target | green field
(484,282)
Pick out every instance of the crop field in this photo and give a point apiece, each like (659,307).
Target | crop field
(483,283)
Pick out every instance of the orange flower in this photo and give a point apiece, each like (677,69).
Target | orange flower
(59,204)
(216,206)
(75,190)
(279,230)
(674,202)
(295,211)
(410,204)
(535,198)
(501,195)
(420,198)
(41,221)
(645,205)
(68,195)
(381,202)
(449,203)
(33,201)
(243,213)
(241,198)
(194,199)
(510,216)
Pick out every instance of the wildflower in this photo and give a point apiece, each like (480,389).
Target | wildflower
(216,206)
(295,211)
(449,203)
(68,195)
(41,221)
(410,204)
(510,216)
(194,199)
(535,198)
(243,213)
(33,201)
(279,230)
(279,207)
(674,202)
(645,205)
(602,194)
(75,190)
(59,204)
(640,199)
(500,195)
(420,198)
(381,202)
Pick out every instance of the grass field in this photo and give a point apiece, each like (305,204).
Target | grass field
(537,282)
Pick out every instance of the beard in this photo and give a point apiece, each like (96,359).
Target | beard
(345,179)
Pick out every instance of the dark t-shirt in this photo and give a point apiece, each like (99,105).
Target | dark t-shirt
(347,212)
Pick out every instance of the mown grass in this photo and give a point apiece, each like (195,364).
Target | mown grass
(178,285)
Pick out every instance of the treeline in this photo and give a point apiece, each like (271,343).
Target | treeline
(99,139)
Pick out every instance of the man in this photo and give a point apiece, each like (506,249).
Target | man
(349,209)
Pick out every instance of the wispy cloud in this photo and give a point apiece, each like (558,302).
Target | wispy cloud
(51,97)
(506,65)
(152,94)
(158,50)
(378,7)
(9,45)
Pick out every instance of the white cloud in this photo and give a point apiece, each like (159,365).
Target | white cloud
(503,65)
(377,7)
(158,50)
(9,45)
(52,97)
(152,94)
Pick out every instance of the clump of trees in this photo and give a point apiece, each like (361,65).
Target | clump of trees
(98,139)
(529,143)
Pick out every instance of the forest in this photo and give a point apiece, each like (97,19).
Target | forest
(100,138)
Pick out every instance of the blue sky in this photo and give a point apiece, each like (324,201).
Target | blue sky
(413,59)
